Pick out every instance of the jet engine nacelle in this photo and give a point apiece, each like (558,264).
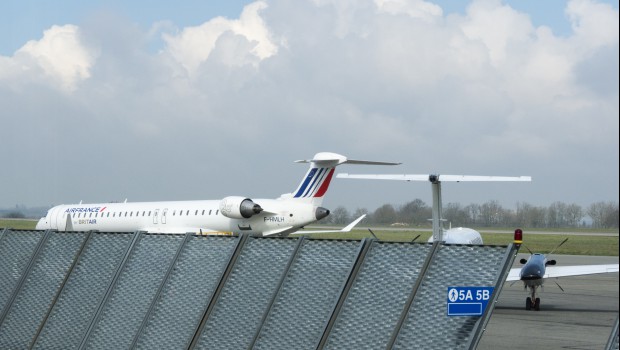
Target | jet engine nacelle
(235,207)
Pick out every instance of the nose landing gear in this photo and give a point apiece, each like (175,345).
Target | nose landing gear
(532,304)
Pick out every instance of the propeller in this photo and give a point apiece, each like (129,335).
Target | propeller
(373,234)
(559,245)
(416,237)
(513,282)
(523,261)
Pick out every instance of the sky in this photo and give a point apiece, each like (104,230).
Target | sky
(153,100)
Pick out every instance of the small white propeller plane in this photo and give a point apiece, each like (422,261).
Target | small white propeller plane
(234,214)
(538,268)
(458,235)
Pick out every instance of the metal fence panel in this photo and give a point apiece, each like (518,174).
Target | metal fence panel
(83,292)
(187,293)
(612,342)
(136,287)
(308,295)
(378,295)
(16,250)
(237,314)
(35,298)
(453,265)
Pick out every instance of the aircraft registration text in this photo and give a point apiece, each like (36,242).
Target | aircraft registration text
(274,219)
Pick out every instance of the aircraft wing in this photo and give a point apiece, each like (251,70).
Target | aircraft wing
(514,274)
(564,271)
(345,229)
(184,229)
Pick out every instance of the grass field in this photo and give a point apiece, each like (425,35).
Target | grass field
(586,244)
(18,224)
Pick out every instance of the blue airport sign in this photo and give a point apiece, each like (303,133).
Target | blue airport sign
(468,301)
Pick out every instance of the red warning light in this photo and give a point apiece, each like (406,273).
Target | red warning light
(518,236)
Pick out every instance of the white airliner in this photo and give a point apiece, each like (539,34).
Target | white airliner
(458,235)
(234,214)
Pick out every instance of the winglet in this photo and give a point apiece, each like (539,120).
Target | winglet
(351,225)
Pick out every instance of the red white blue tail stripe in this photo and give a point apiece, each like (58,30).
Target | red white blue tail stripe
(315,184)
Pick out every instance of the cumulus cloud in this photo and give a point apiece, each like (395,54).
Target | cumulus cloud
(416,9)
(485,92)
(594,24)
(59,57)
(193,45)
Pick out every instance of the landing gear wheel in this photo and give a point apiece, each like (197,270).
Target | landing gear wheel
(528,303)
(537,304)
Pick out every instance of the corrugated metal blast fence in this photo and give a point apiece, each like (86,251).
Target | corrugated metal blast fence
(97,290)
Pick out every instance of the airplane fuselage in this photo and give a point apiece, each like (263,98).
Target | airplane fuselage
(460,235)
(533,272)
(202,216)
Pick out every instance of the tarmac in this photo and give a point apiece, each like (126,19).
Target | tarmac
(580,317)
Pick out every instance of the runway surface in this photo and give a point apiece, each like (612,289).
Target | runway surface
(581,317)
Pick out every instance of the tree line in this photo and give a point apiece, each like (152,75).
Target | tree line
(489,214)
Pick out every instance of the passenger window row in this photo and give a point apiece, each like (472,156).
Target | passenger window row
(137,213)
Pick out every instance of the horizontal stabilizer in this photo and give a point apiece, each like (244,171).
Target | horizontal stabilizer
(327,157)
(430,177)
(348,228)
(369,162)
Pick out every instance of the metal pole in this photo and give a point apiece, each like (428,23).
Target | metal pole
(436,187)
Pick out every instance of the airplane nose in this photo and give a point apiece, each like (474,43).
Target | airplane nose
(531,273)
(40,224)
(530,277)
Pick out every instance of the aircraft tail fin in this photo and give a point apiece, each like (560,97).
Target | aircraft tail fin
(315,183)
